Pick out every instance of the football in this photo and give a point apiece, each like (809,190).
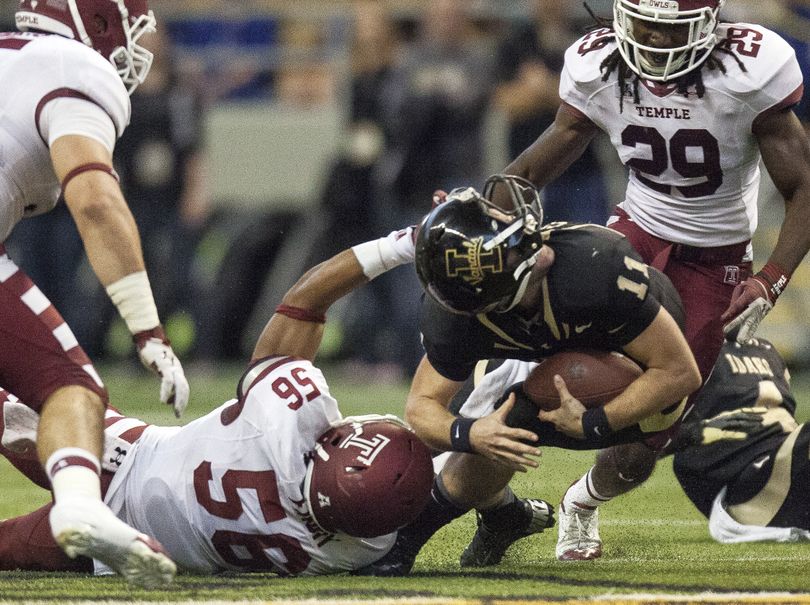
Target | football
(592,376)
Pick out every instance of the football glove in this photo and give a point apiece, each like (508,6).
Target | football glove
(751,301)
(735,425)
(156,354)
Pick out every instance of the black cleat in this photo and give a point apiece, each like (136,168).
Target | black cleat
(488,546)
(396,562)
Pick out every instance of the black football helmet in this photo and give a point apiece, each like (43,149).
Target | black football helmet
(473,256)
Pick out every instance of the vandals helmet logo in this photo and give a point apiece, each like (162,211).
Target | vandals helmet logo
(473,262)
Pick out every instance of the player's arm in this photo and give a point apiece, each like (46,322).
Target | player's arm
(426,411)
(110,236)
(786,153)
(97,205)
(296,328)
(556,148)
(670,375)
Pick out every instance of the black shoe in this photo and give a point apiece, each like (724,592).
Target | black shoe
(488,546)
(396,562)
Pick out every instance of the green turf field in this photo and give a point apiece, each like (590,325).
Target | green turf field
(655,542)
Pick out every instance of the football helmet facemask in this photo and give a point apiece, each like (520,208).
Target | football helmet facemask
(368,476)
(112,27)
(698,18)
(475,257)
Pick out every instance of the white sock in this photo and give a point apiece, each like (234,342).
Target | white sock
(583,494)
(74,473)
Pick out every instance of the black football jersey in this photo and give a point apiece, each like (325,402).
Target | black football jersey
(745,375)
(598,294)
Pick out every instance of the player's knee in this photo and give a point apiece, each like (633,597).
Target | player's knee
(632,463)
(77,398)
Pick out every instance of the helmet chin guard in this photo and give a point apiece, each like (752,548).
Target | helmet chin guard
(698,18)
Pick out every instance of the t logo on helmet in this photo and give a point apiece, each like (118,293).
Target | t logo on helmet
(369,448)
(473,261)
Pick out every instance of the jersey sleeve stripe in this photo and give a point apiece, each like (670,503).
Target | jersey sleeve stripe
(69,93)
(789,101)
(13,43)
(254,374)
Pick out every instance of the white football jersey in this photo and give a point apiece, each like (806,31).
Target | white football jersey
(693,162)
(225,491)
(36,72)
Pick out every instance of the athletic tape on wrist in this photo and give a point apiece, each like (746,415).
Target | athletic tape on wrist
(380,255)
(775,278)
(595,424)
(132,295)
(460,434)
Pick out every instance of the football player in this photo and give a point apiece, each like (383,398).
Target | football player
(67,76)
(691,105)
(740,456)
(502,285)
(273,480)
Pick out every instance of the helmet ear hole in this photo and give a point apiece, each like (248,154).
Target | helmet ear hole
(100,25)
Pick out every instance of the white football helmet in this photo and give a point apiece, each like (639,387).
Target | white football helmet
(112,27)
(697,17)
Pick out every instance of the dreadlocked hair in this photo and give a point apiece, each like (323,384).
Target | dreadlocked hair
(615,62)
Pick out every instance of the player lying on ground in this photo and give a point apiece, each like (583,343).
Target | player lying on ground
(256,497)
(741,457)
(274,480)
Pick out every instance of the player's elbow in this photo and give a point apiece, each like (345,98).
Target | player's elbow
(687,377)
(96,207)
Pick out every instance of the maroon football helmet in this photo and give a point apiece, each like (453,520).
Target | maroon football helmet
(697,18)
(368,476)
(112,27)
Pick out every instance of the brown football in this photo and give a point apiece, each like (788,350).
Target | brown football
(592,376)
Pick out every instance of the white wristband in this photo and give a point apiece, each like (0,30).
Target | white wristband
(380,255)
(133,297)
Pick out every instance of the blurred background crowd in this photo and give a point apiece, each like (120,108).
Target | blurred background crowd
(271,134)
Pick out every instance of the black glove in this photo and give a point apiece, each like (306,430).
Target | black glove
(735,425)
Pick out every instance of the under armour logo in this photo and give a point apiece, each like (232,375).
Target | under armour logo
(120,454)
(323,500)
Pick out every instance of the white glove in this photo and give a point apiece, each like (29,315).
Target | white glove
(743,327)
(156,354)
(751,301)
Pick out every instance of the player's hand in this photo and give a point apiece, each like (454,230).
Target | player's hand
(751,301)
(156,353)
(735,425)
(568,417)
(493,439)
(439,197)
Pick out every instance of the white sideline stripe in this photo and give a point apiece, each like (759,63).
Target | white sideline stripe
(36,300)
(742,598)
